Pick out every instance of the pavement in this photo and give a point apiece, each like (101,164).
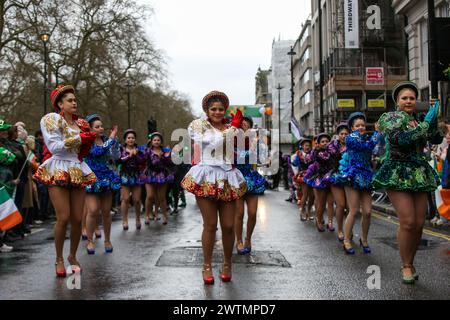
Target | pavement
(290,261)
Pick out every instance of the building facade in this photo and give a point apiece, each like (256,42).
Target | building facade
(357,75)
(416,14)
(263,95)
(303,81)
(279,80)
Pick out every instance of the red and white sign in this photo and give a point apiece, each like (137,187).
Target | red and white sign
(375,76)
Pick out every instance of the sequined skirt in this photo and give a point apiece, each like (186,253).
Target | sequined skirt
(107,181)
(256,184)
(131,180)
(317,181)
(410,176)
(354,177)
(152,177)
(65,173)
(215,183)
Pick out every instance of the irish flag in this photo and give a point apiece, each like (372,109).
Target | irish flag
(9,215)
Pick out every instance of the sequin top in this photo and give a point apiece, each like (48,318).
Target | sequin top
(355,168)
(101,160)
(301,160)
(210,144)
(406,141)
(336,150)
(131,165)
(406,167)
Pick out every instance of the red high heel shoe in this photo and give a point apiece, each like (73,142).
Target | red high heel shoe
(208,280)
(60,274)
(226,277)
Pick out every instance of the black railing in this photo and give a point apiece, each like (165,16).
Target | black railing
(353,62)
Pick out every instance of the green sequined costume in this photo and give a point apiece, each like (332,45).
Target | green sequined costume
(406,167)
(6,174)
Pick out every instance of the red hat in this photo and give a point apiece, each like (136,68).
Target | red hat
(215,94)
(58,92)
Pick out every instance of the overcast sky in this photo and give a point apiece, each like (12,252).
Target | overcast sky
(219,44)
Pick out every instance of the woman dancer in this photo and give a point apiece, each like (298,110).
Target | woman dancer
(157,177)
(213,179)
(99,195)
(406,174)
(68,140)
(336,148)
(300,164)
(255,187)
(314,177)
(356,173)
(131,163)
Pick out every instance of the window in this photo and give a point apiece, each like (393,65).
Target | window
(425,94)
(444,10)
(305,56)
(306,98)
(306,76)
(424,42)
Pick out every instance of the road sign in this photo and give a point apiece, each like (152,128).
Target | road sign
(375,76)
(375,103)
(346,103)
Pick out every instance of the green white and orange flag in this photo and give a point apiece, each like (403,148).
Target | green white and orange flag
(9,215)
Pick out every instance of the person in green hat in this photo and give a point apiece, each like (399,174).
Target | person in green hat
(7,159)
(4,128)
(6,175)
(405,174)
(7,181)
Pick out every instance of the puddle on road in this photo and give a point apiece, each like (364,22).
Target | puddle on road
(425,244)
(193,257)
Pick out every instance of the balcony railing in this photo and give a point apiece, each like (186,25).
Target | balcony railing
(353,62)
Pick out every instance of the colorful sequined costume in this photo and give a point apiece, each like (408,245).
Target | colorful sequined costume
(6,174)
(101,160)
(355,167)
(247,160)
(301,162)
(131,167)
(406,167)
(320,174)
(65,150)
(213,175)
(336,150)
(159,169)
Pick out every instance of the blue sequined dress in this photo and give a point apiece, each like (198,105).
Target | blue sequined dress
(256,183)
(301,162)
(355,167)
(101,161)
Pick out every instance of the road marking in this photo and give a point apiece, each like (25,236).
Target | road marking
(34,231)
(425,230)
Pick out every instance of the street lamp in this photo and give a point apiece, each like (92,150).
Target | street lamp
(129,85)
(279,115)
(292,53)
(45,37)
